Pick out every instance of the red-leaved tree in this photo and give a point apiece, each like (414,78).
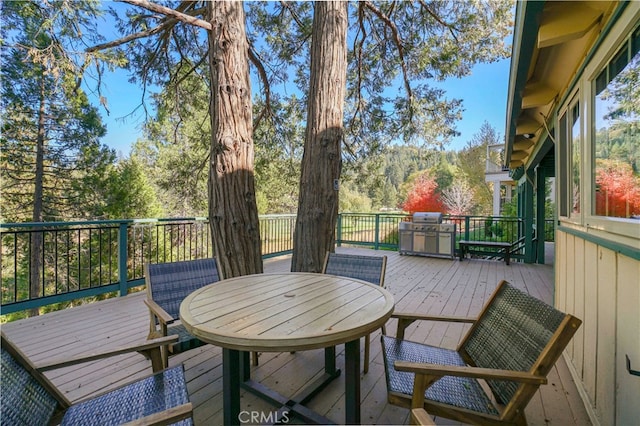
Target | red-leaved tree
(618,192)
(423,196)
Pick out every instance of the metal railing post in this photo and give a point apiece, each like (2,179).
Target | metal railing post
(339,231)
(377,237)
(123,244)
(467,223)
(528,211)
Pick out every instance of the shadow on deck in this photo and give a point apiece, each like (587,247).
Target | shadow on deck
(419,284)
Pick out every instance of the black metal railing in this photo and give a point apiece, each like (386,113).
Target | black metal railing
(489,228)
(375,230)
(45,264)
(380,231)
(276,233)
(165,241)
(42,261)
(57,262)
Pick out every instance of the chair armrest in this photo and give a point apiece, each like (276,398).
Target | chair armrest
(419,416)
(405,319)
(162,315)
(166,417)
(144,348)
(414,317)
(436,370)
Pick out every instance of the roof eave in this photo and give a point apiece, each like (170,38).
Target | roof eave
(525,35)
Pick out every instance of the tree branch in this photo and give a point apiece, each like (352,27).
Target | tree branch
(130,37)
(192,69)
(295,17)
(398,42)
(267,87)
(358,48)
(183,17)
(450,27)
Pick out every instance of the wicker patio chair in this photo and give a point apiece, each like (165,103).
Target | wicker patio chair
(367,268)
(510,347)
(29,398)
(167,286)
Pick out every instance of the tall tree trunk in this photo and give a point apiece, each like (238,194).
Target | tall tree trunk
(233,212)
(322,160)
(37,242)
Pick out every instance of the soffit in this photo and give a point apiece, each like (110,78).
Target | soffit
(566,32)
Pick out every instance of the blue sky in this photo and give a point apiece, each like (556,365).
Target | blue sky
(484,95)
(126,116)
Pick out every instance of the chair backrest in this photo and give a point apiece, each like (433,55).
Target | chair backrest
(28,397)
(169,283)
(517,331)
(367,268)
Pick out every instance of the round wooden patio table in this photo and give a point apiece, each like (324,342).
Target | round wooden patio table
(287,312)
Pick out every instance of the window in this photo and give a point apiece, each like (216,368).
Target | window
(563,182)
(616,147)
(569,150)
(574,137)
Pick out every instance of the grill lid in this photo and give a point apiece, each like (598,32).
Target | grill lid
(427,217)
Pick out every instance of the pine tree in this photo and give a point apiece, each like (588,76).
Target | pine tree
(50,133)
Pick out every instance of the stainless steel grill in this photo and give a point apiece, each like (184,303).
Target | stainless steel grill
(427,217)
(427,235)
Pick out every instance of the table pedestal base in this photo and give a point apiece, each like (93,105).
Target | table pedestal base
(236,375)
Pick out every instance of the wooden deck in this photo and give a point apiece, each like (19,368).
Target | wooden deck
(430,285)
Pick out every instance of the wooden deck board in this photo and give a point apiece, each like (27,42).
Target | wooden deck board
(419,284)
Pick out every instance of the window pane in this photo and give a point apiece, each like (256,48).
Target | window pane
(601,82)
(618,62)
(617,142)
(575,158)
(563,199)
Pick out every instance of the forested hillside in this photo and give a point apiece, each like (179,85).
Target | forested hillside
(174,160)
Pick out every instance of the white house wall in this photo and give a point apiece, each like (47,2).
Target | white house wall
(628,386)
(598,269)
(602,287)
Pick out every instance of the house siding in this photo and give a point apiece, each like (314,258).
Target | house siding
(597,263)
(628,386)
(601,286)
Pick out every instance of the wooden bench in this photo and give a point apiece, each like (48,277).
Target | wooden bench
(465,244)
